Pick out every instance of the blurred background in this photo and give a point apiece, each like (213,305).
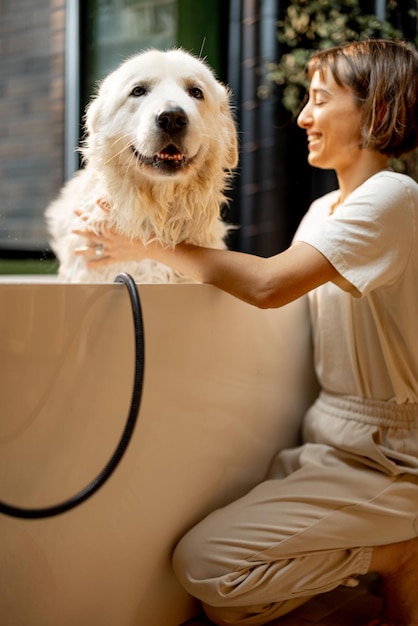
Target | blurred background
(53,53)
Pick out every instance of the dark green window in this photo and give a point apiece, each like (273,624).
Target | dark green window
(112,30)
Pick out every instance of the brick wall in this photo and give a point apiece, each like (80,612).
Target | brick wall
(32,44)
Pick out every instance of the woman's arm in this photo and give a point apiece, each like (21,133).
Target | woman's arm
(264,282)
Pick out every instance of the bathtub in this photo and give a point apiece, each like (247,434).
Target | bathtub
(225,386)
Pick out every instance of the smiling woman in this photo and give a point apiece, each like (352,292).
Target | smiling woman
(332,145)
(356,256)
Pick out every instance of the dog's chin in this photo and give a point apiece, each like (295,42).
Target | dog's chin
(168,162)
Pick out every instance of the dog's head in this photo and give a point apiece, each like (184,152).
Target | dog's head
(162,114)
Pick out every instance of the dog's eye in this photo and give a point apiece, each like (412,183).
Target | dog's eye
(196,92)
(138,91)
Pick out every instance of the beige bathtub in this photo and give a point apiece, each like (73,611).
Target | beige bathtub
(225,386)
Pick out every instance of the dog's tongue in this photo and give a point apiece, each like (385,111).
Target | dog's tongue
(170,153)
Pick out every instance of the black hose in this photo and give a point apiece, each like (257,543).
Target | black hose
(107,471)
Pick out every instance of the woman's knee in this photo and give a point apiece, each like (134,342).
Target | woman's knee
(194,562)
(203,563)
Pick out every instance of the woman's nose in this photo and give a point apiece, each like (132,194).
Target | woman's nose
(304,117)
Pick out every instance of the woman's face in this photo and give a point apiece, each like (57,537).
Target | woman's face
(332,123)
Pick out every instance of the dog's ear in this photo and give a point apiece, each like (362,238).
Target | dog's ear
(102,108)
(230,131)
(92,116)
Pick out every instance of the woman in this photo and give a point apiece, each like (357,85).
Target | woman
(346,502)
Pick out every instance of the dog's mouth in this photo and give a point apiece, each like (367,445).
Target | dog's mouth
(169,160)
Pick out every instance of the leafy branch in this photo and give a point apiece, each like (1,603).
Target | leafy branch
(310,25)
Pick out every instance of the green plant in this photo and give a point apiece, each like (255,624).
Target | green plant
(310,25)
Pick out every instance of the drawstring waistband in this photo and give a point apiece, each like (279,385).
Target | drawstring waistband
(374,412)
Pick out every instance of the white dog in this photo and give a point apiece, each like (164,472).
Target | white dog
(161,145)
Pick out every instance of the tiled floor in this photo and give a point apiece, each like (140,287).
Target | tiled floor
(341,607)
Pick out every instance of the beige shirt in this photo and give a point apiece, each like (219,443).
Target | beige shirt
(367,346)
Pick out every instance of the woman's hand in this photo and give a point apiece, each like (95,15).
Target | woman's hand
(264,282)
(107,245)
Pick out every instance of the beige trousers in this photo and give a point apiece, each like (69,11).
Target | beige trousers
(311,525)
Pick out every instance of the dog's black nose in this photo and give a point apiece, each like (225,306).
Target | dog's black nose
(172,119)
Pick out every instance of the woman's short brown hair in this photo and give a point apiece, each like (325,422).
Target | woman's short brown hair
(383,76)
